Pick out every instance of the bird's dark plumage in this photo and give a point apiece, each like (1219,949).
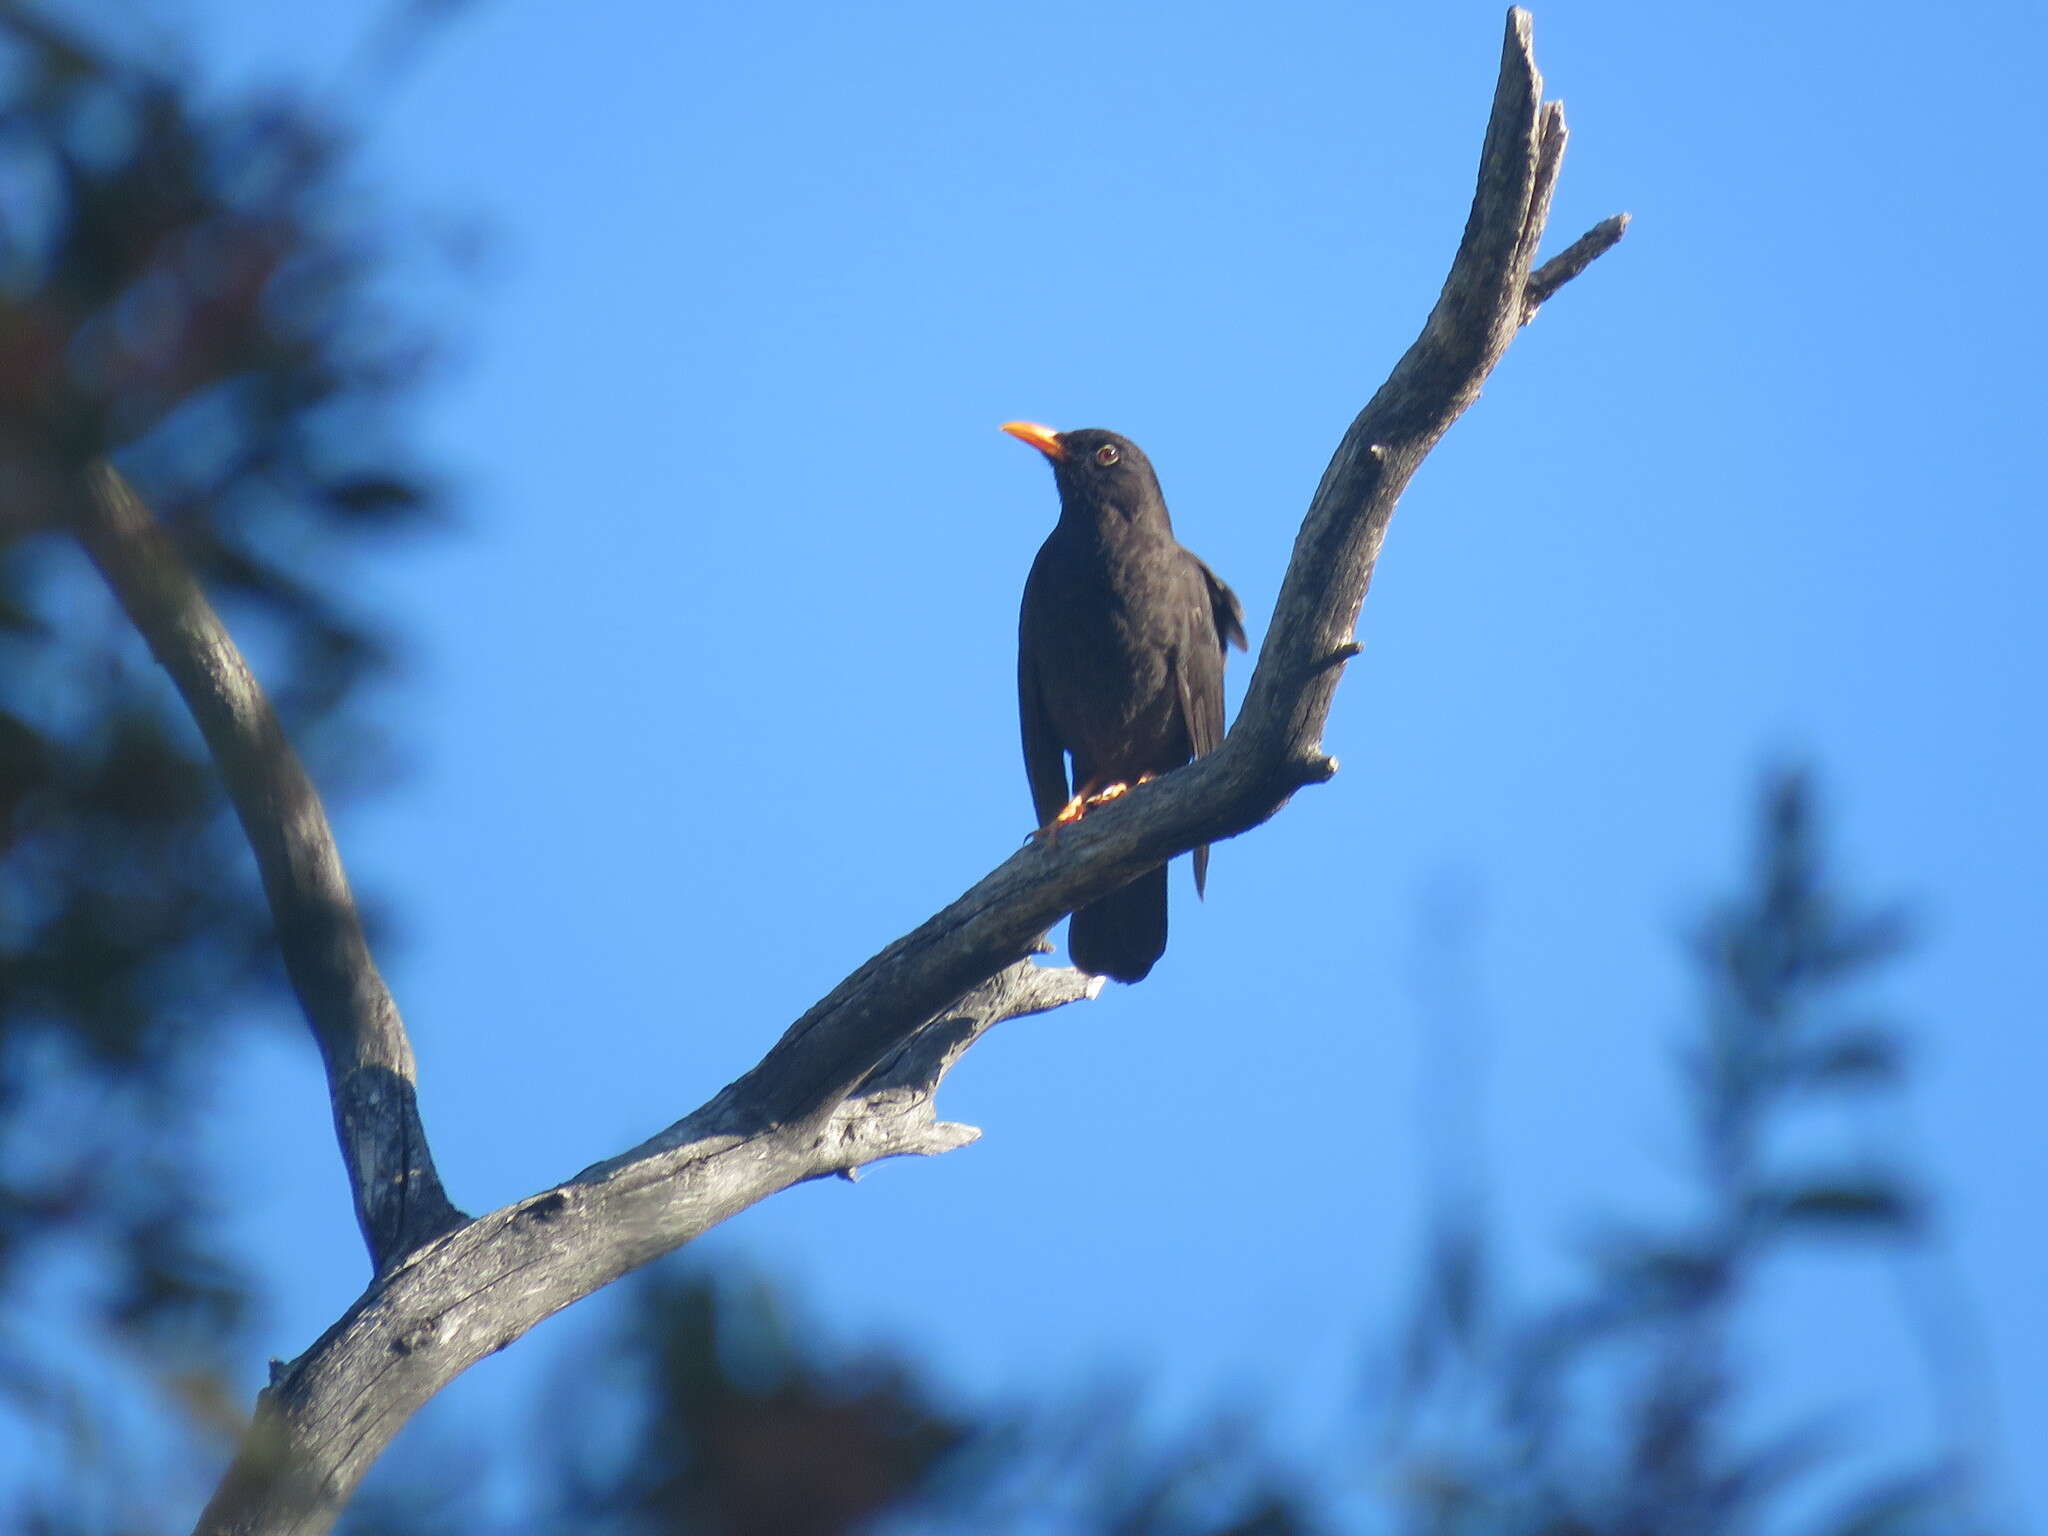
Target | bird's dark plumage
(1120,651)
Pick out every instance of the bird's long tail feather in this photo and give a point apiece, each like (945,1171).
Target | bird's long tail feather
(1121,935)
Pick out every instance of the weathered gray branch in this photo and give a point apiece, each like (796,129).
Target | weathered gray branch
(398,1196)
(326,1417)
(852,1080)
(1571,261)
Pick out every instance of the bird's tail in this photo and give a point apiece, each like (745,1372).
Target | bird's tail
(1121,935)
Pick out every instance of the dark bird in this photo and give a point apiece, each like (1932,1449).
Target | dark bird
(1120,650)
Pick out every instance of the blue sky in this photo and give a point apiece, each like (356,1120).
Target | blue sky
(713,692)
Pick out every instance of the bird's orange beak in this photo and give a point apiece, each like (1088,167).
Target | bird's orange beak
(1044,439)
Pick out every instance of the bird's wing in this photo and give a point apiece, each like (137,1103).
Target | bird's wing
(1045,761)
(1198,675)
(1227,611)
(1214,619)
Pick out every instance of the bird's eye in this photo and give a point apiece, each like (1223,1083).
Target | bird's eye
(1107,455)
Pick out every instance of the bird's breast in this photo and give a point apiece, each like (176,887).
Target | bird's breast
(1101,628)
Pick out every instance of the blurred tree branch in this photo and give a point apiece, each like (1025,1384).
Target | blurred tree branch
(852,1080)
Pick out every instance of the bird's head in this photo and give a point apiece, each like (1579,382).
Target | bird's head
(1096,471)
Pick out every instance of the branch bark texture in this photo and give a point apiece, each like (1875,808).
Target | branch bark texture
(853,1079)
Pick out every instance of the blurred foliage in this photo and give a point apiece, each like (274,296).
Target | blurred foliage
(738,1427)
(192,290)
(1622,1409)
(711,1408)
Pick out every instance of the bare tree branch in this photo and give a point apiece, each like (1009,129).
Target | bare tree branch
(398,1196)
(327,1416)
(1570,262)
(853,1079)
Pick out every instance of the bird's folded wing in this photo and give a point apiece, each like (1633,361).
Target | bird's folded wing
(1224,607)
(1044,755)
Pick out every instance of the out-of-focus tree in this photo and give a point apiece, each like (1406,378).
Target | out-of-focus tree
(192,293)
(712,1406)
(735,1424)
(741,1422)
(1625,1409)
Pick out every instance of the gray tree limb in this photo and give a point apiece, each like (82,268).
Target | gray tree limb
(326,1417)
(853,1079)
(398,1196)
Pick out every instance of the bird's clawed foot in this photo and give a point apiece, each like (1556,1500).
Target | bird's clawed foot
(1073,811)
(1090,796)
